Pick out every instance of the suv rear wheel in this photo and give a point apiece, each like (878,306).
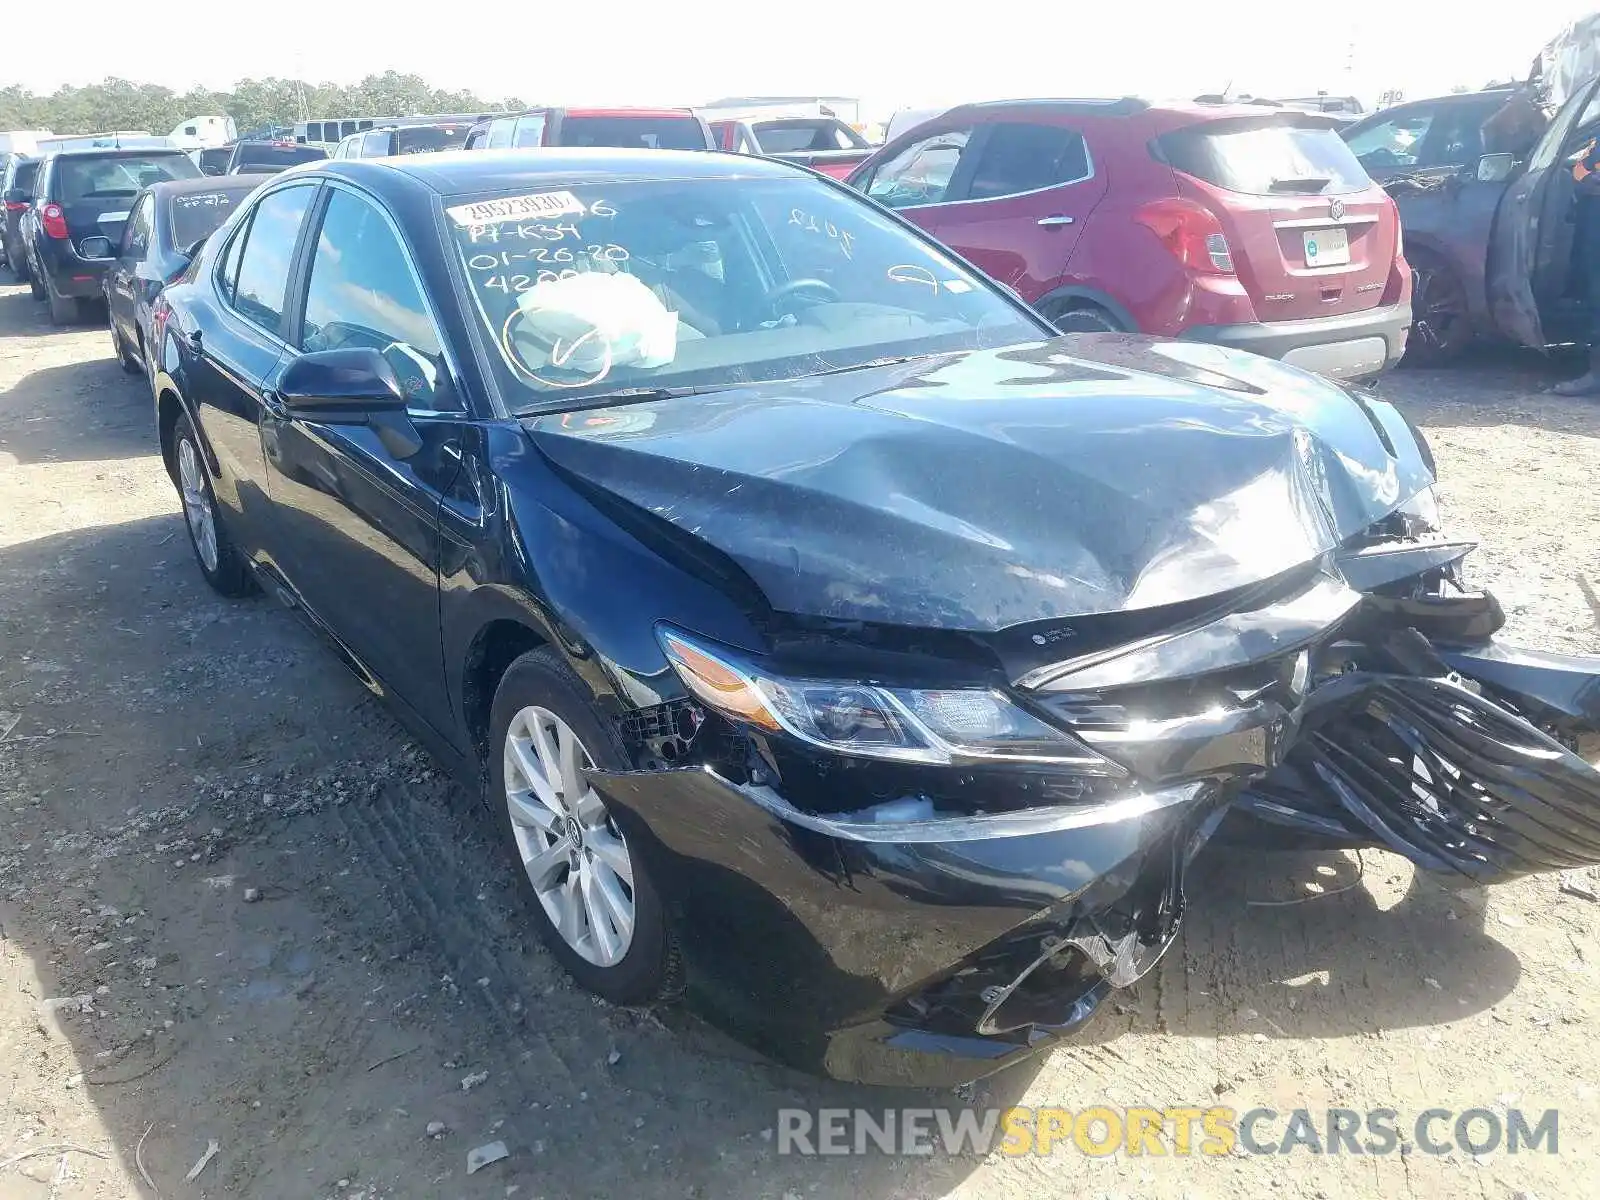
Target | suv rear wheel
(1082,317)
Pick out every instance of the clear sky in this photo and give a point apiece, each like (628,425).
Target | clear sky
(889,55)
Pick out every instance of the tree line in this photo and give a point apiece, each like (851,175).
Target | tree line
(253,103)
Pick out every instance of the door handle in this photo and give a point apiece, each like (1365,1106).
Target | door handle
(1054,222)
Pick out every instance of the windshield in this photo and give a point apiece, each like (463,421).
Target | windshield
(111,178)
(634,133)
(707,283)
(277,158)
(425,139)
(196,215)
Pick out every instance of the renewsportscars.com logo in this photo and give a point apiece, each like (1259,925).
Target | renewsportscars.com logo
(1100,1131)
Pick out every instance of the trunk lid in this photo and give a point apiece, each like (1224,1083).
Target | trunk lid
(1312,235)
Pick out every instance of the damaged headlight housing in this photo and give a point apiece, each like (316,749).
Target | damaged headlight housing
(922,725)
(1420,514)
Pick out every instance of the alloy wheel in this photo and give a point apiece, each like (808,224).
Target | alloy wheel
(572,850)
(197,503)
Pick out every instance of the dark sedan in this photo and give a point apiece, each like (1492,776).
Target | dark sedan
(833,644)
(165,229)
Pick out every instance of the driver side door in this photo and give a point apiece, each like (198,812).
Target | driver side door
(1531,220)
(356,508)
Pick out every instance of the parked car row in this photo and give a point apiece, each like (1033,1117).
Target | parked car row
(837,646)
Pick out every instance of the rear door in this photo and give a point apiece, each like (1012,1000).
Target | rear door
(1019,203)
(1529,221)
(124,275)
(1311,234)
(237,360)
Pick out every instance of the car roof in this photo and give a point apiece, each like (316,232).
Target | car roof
(1160,112)
(459,172)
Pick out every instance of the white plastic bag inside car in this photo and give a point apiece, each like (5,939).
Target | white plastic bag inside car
(592,323)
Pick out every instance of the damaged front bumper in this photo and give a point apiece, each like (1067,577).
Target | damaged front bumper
(922,953)
(887,940)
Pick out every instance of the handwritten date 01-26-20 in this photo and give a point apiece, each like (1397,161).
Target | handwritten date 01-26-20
(548,256)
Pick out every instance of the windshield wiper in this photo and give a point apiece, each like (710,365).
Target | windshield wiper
(1308,185)
(875,362)
(632,395)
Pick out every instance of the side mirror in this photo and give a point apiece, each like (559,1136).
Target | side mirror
(351,387)
(96,247)
(1495,168)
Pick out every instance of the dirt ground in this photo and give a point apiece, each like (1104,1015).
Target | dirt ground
(237,904)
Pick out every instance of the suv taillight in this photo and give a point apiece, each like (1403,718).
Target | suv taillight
(1399,228)
(1191,232)
(53,220)
(16,206)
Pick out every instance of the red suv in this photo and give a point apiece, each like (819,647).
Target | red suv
(1248,227)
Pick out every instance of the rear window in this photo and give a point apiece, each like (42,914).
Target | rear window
(799,136)
(80,179)
(27,172)
(633,133)
(1265,158)
(428,138)
(278,158)
(196,215)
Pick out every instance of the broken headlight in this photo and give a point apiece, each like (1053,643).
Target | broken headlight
(1420,514)
(924,725)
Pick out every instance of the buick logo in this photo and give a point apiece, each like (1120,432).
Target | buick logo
(1336,210)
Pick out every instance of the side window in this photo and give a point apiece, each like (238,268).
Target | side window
(136,234)
(228,264)
(500,133)
(362,292)
(529,132)
(1019,157)
(920,173)
(263,273)
(1396,142)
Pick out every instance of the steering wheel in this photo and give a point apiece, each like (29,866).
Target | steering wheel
(824,290)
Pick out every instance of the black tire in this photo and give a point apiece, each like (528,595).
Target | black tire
(649,969)
(230,576)
(1441,326)
(64,310)
(119,347)
(1085,318)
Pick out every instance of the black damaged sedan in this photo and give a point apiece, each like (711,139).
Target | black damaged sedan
(837,648)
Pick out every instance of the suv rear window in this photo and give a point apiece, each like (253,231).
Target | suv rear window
(278,158)
(651,133)
(26,173)
(1266,157)
(83,178)
(425,139)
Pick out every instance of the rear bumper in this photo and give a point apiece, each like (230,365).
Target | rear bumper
(1349,346)
(67,274)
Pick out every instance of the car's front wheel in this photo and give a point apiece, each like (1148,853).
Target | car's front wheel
(593,904)
(220,561)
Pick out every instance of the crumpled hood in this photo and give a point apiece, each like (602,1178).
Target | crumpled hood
(983,490)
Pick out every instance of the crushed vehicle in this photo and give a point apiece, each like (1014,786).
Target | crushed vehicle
(822,143)
(1490,239)
(837,646)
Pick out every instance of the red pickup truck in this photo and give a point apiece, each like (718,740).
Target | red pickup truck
(824,144)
